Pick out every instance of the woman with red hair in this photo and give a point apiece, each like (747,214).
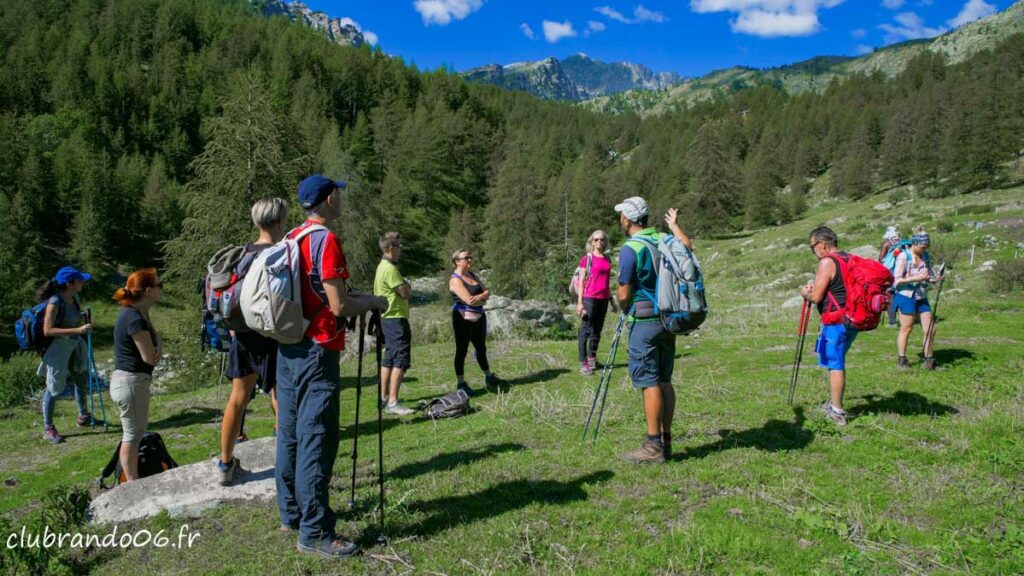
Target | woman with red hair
(137,349)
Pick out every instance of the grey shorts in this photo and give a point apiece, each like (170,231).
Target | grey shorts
(652,353)
(130,390)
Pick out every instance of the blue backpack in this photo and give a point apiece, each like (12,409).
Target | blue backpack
(28,329)
(889,261)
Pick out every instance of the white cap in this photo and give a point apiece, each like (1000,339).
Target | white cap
(890,233)
(634,208)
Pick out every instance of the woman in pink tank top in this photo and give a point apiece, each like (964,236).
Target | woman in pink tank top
(594,298)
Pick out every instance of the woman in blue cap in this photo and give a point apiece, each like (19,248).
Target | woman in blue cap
(65,357)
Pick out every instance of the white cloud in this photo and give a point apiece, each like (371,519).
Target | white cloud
(909,26)
(863,49)
(593,27)
(527,31)
(893,4)
(371,37)
(858,33)
(555,31)
(441,12)
(640,14)
(769,18)
(972,10)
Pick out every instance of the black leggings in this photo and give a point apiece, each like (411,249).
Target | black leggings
(466,332)
(590,329)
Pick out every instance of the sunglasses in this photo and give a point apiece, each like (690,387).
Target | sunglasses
(814,245)
(600,239)
(466,258)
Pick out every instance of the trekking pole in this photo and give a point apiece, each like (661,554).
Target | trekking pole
(359,393)
(94,380)
(382,538)
(935,309)
(608,381)
(600,383)
(801,336)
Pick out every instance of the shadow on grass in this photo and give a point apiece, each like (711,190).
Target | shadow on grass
(952,356)
(774,436)
(368,422)
(448,461)
(545,375)
(902,403)
(187,417)
(448,512)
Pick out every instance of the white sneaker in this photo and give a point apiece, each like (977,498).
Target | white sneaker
(398,410)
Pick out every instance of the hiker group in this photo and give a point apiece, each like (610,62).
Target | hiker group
(282,302)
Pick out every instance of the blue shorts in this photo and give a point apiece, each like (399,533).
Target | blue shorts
(397,343)
(652,353)
(910,307)
(833,343)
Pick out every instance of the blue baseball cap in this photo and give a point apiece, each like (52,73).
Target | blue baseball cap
(316,188)
(69,274)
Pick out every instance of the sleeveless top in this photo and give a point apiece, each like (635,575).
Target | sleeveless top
(835,287)
(474,290)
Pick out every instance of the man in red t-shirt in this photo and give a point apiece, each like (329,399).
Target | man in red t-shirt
(308,374)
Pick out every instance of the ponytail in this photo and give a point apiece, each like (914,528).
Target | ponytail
(48,289)
(135,286)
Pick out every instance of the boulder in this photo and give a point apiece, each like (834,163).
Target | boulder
(987,266)
(883,206)
(793,302)
(865,251)
(426,290)
(503,314)
(188,490)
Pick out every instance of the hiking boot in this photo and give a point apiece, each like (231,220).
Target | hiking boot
(666,445)
(492,381)
(465,388)
(929,363)
(86,420)
(337,548)
(650,452)
(903,363)
(398,410)
(586,369)
(241,438)
(51,435)
(227,471)
(593,363)
(831,413)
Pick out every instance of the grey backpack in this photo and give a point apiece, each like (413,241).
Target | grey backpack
(451,405)
(680,300)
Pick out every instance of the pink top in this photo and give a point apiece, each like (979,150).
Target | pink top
(596,284)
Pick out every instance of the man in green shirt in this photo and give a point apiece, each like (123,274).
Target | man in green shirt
(390,284)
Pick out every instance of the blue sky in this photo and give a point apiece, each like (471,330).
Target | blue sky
(691,37)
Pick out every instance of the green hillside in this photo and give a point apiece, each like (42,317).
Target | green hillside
(925,479)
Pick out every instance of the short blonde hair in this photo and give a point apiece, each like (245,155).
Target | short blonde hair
(455,255)
(268,212)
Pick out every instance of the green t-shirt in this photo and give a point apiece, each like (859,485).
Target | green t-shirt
(388,278)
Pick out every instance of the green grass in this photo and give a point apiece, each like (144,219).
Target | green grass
(928,478)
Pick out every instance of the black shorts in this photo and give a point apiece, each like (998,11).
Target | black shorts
(397,343)
(252,353)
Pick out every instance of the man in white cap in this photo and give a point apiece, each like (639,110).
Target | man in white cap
(651,348)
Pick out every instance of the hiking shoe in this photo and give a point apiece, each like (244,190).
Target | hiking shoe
(593,363)
(465,388)
(86,420)
(51,435)
(650,452)
(585,368)
(384,401)
(903,363)
(398,410)
(241,438)
(833,414)
(227,471)
(337,548)
(492,381)
(929,363)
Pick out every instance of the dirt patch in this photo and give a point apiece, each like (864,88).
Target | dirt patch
(1012,223)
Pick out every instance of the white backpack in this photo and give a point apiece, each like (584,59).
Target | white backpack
(271,297)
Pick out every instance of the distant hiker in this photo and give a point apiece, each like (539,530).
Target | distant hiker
(891,246)
(469,321)
(65,358)
(593,300)
(651,348)
(829,293)
(308,376)
(913,276)
(389,284)
(252,357)
(137,349)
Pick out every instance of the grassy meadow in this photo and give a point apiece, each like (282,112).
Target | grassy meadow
(928,477)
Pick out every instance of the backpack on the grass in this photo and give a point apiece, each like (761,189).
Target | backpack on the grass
(679,297)
(867,284)
(576,283)
(271,296)
(451,405)
(28,328)
(153,459)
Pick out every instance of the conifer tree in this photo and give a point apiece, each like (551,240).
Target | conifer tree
(714,200)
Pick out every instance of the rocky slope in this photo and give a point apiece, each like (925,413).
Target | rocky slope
(339,30)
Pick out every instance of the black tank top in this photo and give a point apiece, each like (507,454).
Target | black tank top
(474,289)
(835,287)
